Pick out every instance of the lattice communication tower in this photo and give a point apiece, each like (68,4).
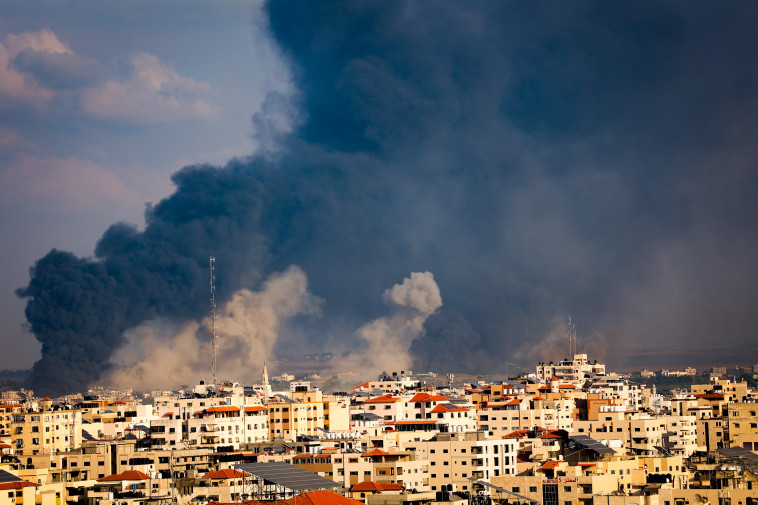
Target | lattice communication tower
(214,322)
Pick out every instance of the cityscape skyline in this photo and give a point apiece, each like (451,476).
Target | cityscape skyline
(443,186)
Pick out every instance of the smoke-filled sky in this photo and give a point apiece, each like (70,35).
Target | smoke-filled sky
(540,160)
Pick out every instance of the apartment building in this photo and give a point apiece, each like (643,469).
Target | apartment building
(502,417)
(643,434)
(575,369)
(387,407)
(447,415)
(742,425)
(455,458)
(46,431)
(306,413)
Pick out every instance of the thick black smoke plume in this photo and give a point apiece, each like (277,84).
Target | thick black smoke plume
(542,159)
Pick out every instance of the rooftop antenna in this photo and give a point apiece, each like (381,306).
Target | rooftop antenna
(214,322)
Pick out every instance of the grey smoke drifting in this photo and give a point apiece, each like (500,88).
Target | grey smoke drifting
(594,159)
(163,355)
(385,342)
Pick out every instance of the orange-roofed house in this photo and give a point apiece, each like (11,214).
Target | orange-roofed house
(137,484)
(363,489)
(388,407)
(449,416)
(225,485)
(15,490)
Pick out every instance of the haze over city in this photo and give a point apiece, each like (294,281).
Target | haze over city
(442,184)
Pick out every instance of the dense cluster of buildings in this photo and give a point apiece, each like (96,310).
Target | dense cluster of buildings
(568,434)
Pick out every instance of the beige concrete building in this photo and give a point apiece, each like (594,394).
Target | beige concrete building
(643,434)
(46,430)
(575,369)
(456,457)
(503,417)
(307,413)
(742,425)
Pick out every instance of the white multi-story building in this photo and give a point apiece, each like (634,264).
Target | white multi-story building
(576,369)
(500,418)
(455,458)
(448,416)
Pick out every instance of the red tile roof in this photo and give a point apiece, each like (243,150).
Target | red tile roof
(127,475)
(376,487)
(383,399)
(418,421)
(710,396)
(321,498)
(426,397)
(517,434)
(550,465)
(448,408)
(18,484)
(375,452)
(550,435)
(566,386)
(226,473)
(365,385)
(254,408)
(223,408)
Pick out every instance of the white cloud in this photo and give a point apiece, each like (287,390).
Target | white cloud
(154,92)
(20,86)
(43,41)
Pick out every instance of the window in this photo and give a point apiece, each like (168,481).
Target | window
(532,489)
(515,489)
(567,489)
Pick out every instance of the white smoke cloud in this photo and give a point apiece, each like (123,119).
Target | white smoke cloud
(161,354)
(388,339)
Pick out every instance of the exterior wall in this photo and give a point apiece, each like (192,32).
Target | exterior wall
(388,408)
(46,431)
(570,369)
(454,458)
(500,419)
(743,425)
(643,435)
(710,433)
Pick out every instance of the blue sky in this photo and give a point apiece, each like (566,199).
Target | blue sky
(100,102)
